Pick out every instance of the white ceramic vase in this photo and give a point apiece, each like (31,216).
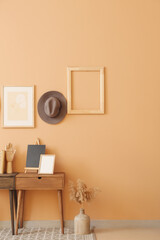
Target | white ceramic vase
(82,223)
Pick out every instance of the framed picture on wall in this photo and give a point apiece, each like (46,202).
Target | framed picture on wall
(46,164)
(87,91)
(17,107)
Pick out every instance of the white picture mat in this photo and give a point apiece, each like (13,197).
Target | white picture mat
(30,100)
(47,163)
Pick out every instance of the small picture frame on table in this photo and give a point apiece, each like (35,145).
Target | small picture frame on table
(46,164)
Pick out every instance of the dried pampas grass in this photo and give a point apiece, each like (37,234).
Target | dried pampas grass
(80,193)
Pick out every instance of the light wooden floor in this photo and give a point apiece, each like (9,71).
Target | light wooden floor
(128,234)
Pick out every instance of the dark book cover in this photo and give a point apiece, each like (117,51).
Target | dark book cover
(33,155)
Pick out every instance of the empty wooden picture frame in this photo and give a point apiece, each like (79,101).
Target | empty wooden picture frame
(69,90)
(46,164)
(17,107)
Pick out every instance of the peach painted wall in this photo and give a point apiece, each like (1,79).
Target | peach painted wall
(120,151)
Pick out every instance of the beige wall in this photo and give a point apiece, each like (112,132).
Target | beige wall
(118,152)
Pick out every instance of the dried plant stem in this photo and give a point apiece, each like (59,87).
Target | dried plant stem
(80,193)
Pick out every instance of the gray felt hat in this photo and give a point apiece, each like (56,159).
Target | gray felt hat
(52,107)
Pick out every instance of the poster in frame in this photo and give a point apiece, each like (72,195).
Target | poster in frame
(17,107)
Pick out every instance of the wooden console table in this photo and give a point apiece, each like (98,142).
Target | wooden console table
(7,181)
(34,181)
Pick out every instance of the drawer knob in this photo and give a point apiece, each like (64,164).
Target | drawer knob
(39,177)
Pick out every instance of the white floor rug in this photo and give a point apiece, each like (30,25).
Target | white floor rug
(43,234)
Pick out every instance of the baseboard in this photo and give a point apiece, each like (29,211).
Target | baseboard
(107,224)
(125,224)
(48,223)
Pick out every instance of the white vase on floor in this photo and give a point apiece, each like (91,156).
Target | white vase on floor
(82,223)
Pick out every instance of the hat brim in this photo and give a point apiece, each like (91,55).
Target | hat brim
(63,110)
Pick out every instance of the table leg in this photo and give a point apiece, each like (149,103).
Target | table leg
(15,201)
(61,209)
(21,211)
(11,209)
(18,209)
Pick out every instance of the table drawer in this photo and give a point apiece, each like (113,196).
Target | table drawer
(7,183)
(40,183)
